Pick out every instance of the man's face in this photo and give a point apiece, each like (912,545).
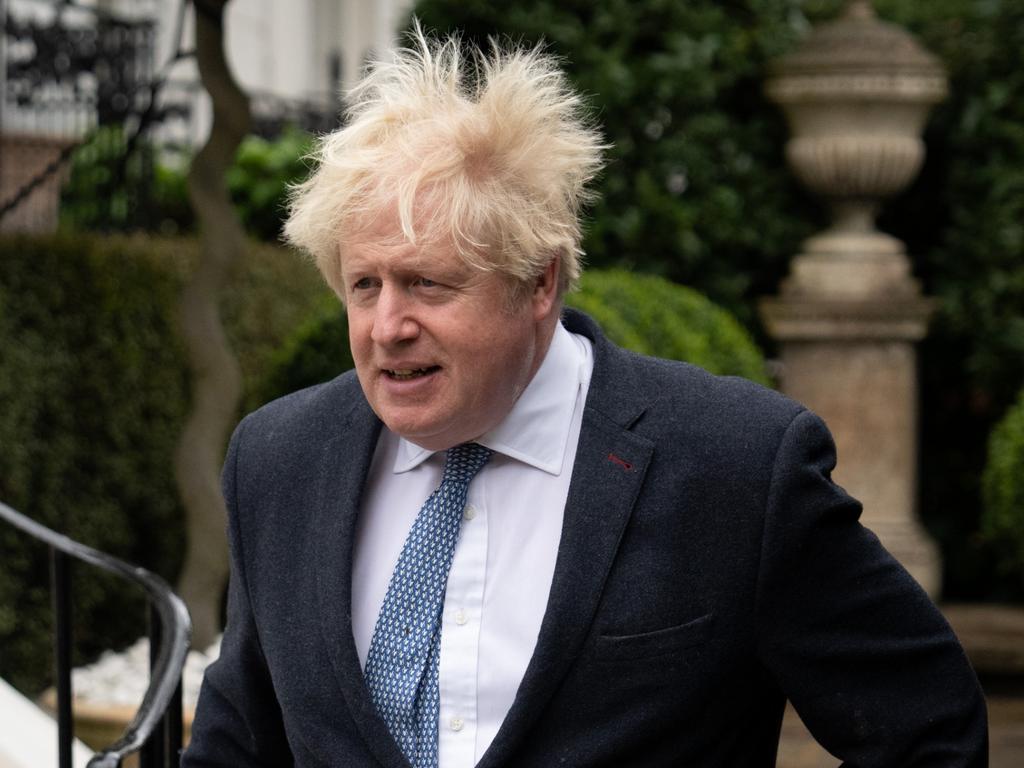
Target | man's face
(440,354)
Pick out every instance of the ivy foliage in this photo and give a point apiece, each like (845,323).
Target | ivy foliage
(93,396)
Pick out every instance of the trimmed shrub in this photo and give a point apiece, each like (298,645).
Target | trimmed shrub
(1002,521)
(93,394)
(93,390)
(650,315)
(641,312)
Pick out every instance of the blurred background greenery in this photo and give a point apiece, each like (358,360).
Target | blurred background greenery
(696,194)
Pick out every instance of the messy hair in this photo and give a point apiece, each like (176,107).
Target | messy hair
(490,151)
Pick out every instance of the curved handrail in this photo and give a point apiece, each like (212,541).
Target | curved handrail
(175,635)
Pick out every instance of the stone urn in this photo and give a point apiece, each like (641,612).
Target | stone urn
(856,94)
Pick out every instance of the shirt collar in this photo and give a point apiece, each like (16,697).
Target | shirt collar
(536,430)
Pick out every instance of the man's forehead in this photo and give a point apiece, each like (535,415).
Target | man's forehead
(380,236)
(394,250)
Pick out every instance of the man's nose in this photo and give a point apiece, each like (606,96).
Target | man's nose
(393,320)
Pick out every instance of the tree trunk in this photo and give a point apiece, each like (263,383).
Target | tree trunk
(216,379)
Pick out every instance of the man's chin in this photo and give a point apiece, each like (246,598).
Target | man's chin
(430,436)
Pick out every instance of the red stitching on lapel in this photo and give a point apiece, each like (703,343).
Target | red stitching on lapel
(621,462)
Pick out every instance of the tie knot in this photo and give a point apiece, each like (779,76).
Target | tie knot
(464,461)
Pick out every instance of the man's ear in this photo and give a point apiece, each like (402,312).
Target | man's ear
(545,291)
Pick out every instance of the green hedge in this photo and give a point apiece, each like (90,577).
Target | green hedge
(1003,484)
(641,312)
(93,393)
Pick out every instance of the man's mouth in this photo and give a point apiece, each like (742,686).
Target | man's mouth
(404,374)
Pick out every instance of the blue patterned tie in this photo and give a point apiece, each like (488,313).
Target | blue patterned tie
(402,664)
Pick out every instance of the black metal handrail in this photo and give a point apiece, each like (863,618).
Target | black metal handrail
(156,728)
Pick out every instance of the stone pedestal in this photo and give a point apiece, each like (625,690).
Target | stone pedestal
(847,321)
(856,94)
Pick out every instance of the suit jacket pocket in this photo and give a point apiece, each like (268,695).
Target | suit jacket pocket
(657,643)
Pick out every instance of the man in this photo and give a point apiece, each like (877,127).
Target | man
(503,541)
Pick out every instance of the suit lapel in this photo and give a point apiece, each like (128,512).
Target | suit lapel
(345,463)
(607,476)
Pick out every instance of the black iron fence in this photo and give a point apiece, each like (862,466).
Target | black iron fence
(68,67)
(67,71)
(156,730)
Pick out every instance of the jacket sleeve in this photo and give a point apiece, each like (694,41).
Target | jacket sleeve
(867,660)
(238,721)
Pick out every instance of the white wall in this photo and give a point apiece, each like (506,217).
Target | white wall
(284,47)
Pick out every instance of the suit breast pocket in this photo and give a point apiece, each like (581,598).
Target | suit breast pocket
(690,634)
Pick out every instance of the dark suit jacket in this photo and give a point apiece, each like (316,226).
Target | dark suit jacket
(708,569)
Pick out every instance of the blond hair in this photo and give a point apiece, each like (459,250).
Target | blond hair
(491,150)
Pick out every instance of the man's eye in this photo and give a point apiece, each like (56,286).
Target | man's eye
(426,282)
(363,284)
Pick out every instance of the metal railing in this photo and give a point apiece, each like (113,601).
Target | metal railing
(156,730)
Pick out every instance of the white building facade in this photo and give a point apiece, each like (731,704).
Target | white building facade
(287,54)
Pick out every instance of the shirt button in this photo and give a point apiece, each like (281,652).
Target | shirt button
(460,617)
(469,512)
(456,723)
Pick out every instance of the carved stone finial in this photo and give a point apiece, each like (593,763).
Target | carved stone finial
(856,93)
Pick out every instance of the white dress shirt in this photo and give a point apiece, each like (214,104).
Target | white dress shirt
(505,557)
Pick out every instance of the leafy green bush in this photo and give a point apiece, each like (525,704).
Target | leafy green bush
(109,190)
(149,190)
(93,393)
(641,312)
(259,180)
(650,315)
(1003,484)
